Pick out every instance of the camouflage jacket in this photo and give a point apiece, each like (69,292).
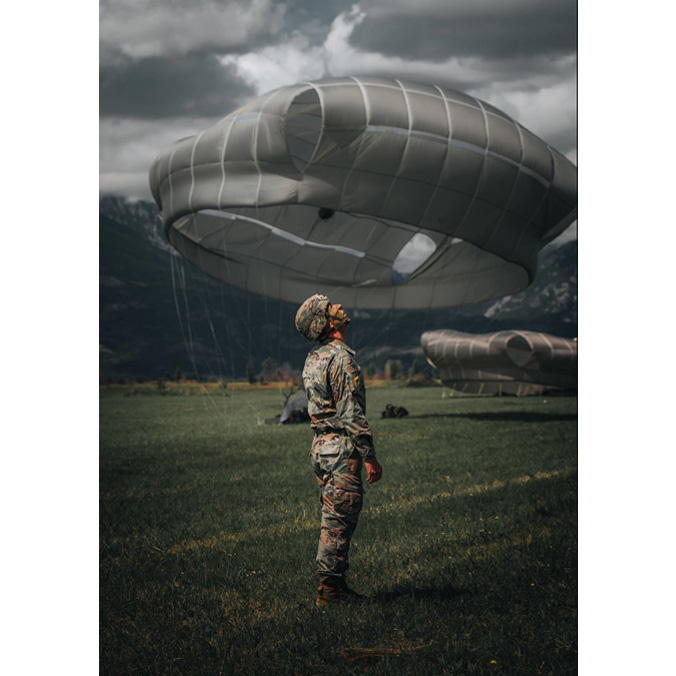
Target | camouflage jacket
(336,394)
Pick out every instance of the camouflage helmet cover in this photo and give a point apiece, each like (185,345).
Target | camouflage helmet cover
(312,316)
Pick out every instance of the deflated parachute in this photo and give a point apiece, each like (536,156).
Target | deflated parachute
(505,362)
(294,411)
(378,193)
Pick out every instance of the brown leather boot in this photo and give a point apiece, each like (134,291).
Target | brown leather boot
(350,594)
(334,590)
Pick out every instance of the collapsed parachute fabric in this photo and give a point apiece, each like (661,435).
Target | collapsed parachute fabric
(378,193)
(504,362)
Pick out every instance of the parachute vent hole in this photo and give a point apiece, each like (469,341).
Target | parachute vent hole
(412,255)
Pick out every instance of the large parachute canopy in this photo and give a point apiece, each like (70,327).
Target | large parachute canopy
(378,193)
(504,362)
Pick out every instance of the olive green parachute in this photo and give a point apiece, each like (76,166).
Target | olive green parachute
(378,193)
(504,362)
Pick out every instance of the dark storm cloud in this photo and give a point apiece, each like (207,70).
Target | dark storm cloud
(490,30)
(195,85)
(171,68)
(160,59)
(151,28)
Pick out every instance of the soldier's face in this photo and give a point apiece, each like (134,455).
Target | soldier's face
(338,315)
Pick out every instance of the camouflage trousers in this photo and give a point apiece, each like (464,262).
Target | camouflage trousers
(337,466)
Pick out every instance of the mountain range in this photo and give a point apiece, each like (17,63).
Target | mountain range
(159,316)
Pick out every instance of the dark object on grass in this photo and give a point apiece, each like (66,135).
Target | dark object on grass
(394,411)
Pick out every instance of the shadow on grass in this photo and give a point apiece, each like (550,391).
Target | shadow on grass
(514,416)
(447,592)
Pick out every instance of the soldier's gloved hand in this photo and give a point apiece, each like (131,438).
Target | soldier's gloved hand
(373,470)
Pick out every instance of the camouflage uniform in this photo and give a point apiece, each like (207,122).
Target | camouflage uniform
(337,406)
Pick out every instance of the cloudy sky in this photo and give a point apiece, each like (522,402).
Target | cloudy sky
(171,68)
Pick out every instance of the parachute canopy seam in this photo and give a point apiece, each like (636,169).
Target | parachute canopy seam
(465,145)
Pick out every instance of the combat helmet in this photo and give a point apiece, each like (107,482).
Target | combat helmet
(312,316)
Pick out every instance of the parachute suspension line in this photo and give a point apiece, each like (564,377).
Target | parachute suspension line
(180,273)
(229,339)
(258,190)
(191,347)
(268,347)
(237,305)
(265,344)
(226,330)
(246,317)
(250,349)
(243,314)
(280,327)
(219,404)
(186,340)
(176,303)
(215,372)
(276,354)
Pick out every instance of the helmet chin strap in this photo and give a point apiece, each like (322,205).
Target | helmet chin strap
(339,320)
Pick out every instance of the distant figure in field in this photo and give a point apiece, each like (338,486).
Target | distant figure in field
(342,442)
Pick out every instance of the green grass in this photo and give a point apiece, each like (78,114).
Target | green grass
(467,547)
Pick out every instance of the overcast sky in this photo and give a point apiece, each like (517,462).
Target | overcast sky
(171,68)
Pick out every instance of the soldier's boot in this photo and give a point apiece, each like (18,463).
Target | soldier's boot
(350,594)
(334,590)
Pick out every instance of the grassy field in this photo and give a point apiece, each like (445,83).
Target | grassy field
(209,522)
